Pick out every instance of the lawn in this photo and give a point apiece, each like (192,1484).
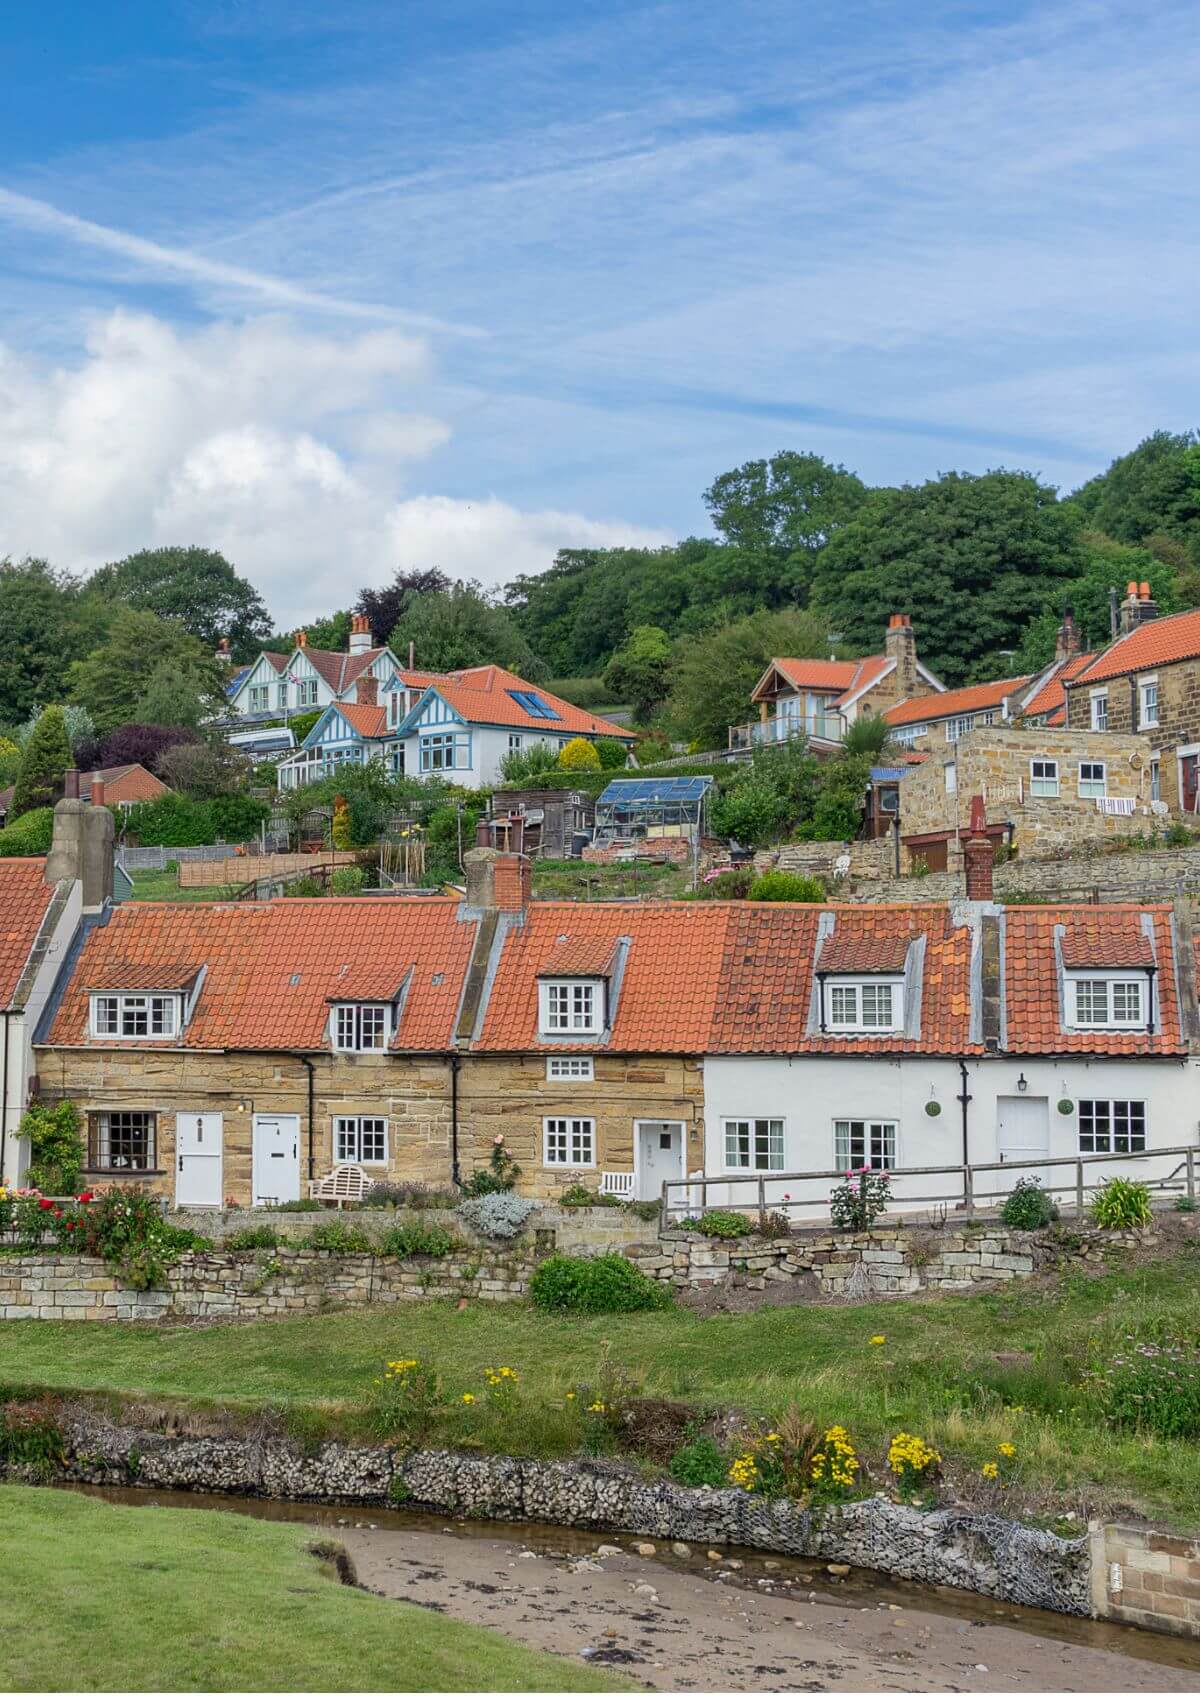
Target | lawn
(576,879)
(150,886)
(162,1600)
(965,1372)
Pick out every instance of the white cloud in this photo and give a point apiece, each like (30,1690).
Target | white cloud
(291,451)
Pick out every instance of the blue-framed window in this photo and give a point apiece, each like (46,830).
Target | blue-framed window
(443,750)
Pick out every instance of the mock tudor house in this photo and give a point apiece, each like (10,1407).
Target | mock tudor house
(307,678)
(237,1051)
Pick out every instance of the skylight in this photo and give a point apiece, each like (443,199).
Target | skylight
(534,704)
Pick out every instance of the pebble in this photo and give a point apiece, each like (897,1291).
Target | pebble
(734,1563)
(838,1569)
(771,1564)
(645,1549)
(646,1591)
(983,1668)
(681,1549)
(580,1564)
(527,1554)
(608,1552)
(713,1553)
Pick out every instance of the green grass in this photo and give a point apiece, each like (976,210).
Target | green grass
(150,886)
(96,1596)
(937,1374)
(575,879)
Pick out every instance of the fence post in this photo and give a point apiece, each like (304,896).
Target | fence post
(762,1201)
(1191,1175)
(968,1188)
(1079,1186)
(663,1213)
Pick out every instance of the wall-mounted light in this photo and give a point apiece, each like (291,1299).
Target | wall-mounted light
(245,1104)
(1022,1084)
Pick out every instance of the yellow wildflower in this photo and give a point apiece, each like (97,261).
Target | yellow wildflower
(1007,1449)
(878,1339)
(468,1398)
(991,1471)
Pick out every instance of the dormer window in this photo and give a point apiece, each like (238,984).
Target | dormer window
(571,1007)
(361,1026)
(867,1005)
(135,1015)
(1116,1000)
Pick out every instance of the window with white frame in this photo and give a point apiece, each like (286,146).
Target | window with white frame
(283,702)
(864,1006)
(864,1145)
(988,717)
(1155,781)
(1043,778)
(443,750)
(570,1006)
(135,1015)
(306,693)
(958,727)
(360,1027)
(950,775)
(1099,707)
(1096,1000)
(570,1068)
(514,742)
(570,1142)
(1093,779)
(360,1139)
(1148,702)
(260,698)
(393,708)
(908,735)
(1115,1126)
(754,1142)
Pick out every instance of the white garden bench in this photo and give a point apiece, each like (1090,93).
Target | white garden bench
(348,1183)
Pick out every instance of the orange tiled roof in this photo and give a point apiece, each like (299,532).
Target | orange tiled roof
(272,967)
(867,672)
(143,976)
(24,899)
(943,704)
(1031,988)
(1174,637)
(1111,942)
(481,695)
(576,954)
(855,948)
(1050,697)
(367,719)
(818,675)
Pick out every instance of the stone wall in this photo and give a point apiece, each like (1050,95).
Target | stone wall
(1128,876)
(1178,715)
(1143,1577)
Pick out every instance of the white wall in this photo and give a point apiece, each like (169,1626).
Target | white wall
(810,1093)
(21,1028)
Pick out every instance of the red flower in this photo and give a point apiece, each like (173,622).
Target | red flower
(45,1204)
(85,1197)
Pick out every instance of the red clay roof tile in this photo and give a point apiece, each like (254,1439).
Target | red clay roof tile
(1106,942)
(942,704)
(24,899)
(1031,989)
(1174,637)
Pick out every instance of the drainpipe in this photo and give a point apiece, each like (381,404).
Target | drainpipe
(964,1098)
(4,1098)
(307,1061)
(821,996)
(455,1065)
(1150,973)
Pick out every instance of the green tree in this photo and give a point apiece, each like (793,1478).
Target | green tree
(1107,566)
(640,673)
(10,760)
(197,587)
(787,507)
(114,679)
(972,558)
(385,606)
(715,674)
(44,760)
(178,693)
(463,627)
(1153,489)
(44,626)
(768,797)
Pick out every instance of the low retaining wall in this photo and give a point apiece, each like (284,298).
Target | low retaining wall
(1146,1578)
(961,1549)
(1126,876)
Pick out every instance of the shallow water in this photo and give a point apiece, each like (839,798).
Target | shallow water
(804,1577)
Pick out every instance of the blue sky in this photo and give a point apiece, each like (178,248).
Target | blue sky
(339,286)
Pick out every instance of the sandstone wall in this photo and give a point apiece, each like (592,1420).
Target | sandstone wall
(1143,1577)
(1178,715)
(1127,876)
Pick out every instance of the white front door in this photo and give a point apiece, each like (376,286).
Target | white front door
(1023,1135)
(658,1156)
(198,1139)
(276,1159)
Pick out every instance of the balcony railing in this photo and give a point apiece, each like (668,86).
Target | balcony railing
(829,726)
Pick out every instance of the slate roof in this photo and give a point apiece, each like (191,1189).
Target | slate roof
(24,900)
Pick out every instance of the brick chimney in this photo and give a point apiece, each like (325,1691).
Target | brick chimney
(497,879)
(1068,642)
(978,855)
(302,639)
(366,690)
(360,635)
(97,792)
(223,653)
(901,647)
(1138,606)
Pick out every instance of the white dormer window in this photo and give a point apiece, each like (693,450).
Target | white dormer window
(135,1015)
(571,1006)
(864,1006)
(1116,1000)
(361,1027)
(260,698)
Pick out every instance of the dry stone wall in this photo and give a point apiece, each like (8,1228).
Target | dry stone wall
(1127,876)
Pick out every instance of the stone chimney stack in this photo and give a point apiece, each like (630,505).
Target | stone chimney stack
(360,635)
(901,647)
(978,855)
(223,654)
(71,782)
(497,879)
(82,849)
(366,690)
(1068,642)
(1138,607)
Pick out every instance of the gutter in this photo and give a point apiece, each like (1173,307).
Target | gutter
(4,1097)
(964,1098)
(455,1065)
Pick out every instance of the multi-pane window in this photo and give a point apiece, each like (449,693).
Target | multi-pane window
(1155,781)
(570,1142)
(1093,780)
(514,742)
(134,1015)
(1114,1126)
(570,1068)
(950,774)
(360,1027)
(260,698)
(862,1005)
(1148,699)
(1106,1002)
(283,702)
(360,1139)
(958,727)
(908,735)
(570,1006)
(1099,704)
(306,693)
(121,1139)
(754,1143)
(864,1145)
(442,750)
(1043,778)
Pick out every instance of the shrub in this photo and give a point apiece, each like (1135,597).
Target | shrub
(29,836)
(587,692)
(408,1398)
(855,1202)
(501,1174)
(781,887)
(416,1239)
(498,1215)
(1122,1203)
(836,1472)
(338,1236)
(411,1195)
(595,1286)
(611,752)
(125,1227)
(1156,1388)
(30,1438)
(1028,1206)
(340,830)
(730,884)
(252,1239)
(1185,1204)
(55,1148)
(700,1463)
(347,882)
(724,1224)
(914,1463)
(580,1197)
(44,759)
(300,1206)
(645,1209)
(579,755)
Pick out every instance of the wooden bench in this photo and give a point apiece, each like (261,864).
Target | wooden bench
(346,1184)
